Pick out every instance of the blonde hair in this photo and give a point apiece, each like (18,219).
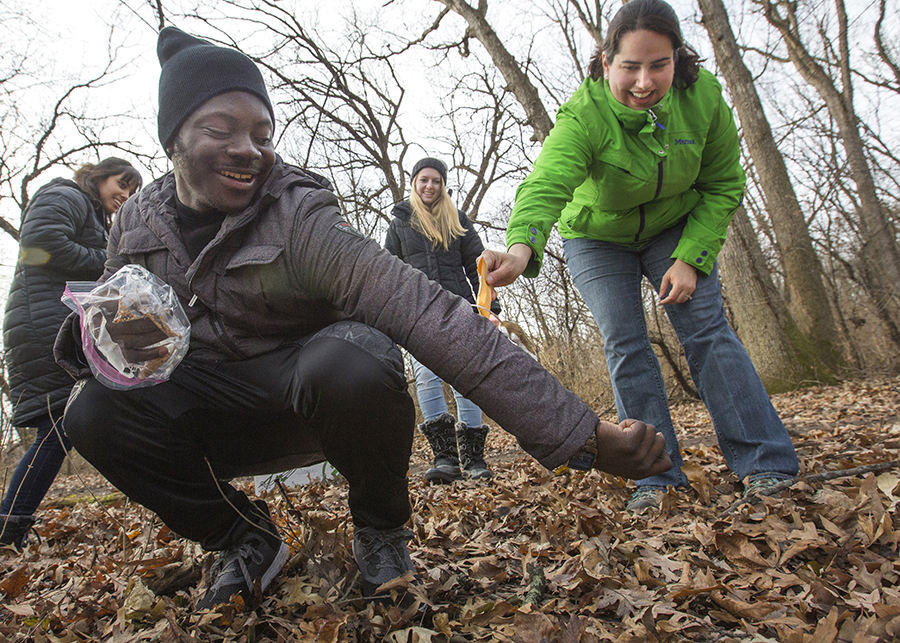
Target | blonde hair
(438,222)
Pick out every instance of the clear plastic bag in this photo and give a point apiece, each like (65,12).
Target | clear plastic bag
(131,293)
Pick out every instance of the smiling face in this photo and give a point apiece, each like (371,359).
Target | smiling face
(642,71)
(223,153)
(428,185)
(114,191)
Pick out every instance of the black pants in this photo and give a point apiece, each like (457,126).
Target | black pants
(339,395)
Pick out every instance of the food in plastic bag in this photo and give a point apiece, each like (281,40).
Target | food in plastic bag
(133,293)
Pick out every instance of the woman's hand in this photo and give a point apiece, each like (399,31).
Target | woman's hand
(682,277)
(503,268)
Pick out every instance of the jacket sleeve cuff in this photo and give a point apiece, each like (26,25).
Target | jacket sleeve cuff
(533,237)
(67,348)
(697,254)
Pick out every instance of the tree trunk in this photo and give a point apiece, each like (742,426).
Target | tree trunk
(778,349)
(878,254)
(522,88)
(810,306)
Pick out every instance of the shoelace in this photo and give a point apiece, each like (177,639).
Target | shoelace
(374,542)
(221,569)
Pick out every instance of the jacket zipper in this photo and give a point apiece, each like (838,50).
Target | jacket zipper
(219,330)
(223,337)
(221,333)
(637,237)
(659,178)
(659,181)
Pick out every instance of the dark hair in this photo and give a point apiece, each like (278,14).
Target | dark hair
(88,176)
(652,15)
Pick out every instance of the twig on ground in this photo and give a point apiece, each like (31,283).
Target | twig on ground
(284,494)
(74,499)
(814,477)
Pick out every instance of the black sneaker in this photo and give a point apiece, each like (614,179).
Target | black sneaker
(381,555)
(258,556)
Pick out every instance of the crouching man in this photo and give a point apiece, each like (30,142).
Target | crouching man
(295,320)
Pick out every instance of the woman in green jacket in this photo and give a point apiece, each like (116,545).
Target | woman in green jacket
(642,173)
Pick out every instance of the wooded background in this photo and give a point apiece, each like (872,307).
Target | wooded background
(362,89)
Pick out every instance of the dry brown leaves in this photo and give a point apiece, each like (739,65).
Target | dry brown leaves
(527,557)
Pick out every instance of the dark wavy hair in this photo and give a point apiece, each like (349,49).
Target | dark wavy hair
(652,15)
(89,175)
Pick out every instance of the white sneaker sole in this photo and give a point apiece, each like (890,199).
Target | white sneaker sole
(279,561)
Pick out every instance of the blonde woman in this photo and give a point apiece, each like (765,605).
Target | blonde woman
(430,234)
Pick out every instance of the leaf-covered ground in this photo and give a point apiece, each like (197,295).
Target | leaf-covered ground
(530,556)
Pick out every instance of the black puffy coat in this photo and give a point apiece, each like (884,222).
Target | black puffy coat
(62,238)
(454,268)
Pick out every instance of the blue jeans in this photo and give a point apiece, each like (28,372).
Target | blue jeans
(752,437)
(431,397)
(37,469)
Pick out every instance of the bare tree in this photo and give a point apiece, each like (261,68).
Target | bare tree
(343,100)
(879,254)
(802,271)
(484,134)
(48,122)
(517,80)
(887,50)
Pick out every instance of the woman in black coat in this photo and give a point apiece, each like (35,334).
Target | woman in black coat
(62,238)
(430,234)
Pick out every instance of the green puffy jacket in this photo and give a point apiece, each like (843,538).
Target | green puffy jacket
(620,175)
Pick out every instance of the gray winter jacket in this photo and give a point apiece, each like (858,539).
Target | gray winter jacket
(290,265)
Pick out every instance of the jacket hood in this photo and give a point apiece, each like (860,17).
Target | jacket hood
(284,175)
(65,184)
(402,210)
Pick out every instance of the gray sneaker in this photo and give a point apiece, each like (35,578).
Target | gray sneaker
(258,556)
(761,486)
(643,499)
(382,555)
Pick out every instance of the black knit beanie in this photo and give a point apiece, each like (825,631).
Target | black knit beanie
(193,71)
(434,164)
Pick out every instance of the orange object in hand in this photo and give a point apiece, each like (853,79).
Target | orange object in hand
(484,290)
